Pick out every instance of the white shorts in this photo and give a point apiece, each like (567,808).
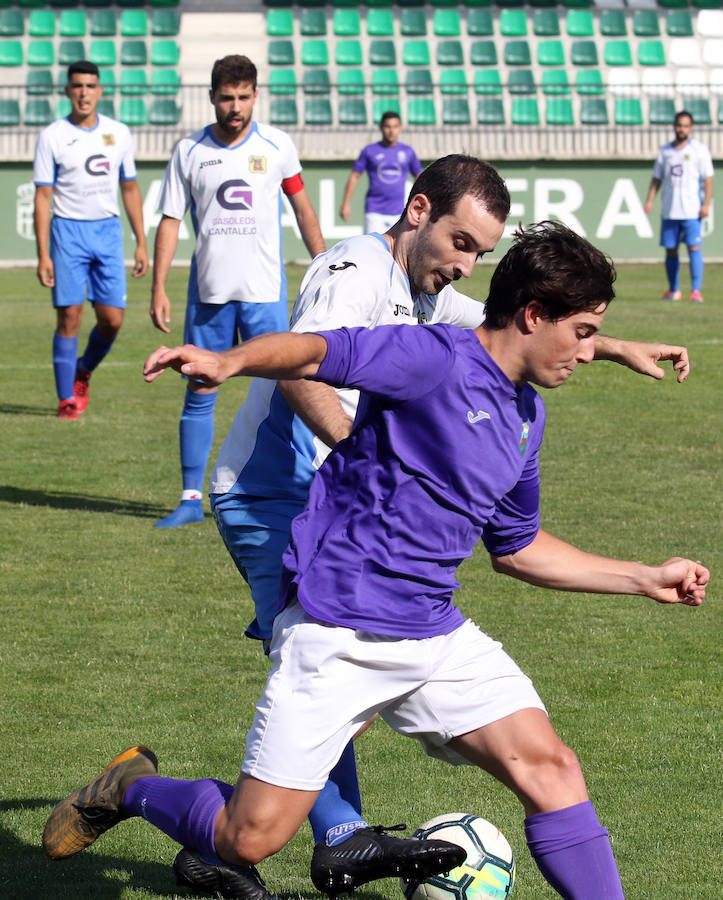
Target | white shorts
(326,681)
(379,222)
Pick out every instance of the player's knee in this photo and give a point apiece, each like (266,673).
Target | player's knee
(252,845)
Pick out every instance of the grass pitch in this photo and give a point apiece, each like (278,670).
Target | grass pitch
(114,633)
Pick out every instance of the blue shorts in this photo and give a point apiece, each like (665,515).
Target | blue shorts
(673,231)
(88,261)
(256,532)
(219,326)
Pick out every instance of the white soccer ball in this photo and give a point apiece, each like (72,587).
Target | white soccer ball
(488,873)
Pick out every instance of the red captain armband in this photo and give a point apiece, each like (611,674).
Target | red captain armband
(293,185)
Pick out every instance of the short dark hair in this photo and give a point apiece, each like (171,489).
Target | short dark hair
(389,114)
(550,263)
(683,112)
(233,69)
(83,67)
(445,181)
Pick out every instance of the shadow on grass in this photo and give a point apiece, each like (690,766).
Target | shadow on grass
(88,502)
(20,409)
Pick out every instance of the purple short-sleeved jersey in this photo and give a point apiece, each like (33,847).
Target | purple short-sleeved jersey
(444,451)
(388,169)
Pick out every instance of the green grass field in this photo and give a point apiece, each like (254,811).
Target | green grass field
(114,633)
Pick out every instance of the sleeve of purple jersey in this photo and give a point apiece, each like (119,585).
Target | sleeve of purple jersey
(361,162)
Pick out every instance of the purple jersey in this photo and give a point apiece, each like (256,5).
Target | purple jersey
(388,169)
(444,450)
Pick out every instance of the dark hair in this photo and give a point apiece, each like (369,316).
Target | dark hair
(83,67)
(549,263)
(233,69)
(683,112)
(445,181)
(389,114)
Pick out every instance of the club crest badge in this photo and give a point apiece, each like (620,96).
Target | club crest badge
(109,140)
(257,164)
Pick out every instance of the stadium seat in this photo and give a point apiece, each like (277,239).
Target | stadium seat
(133,53)
(479,23)
(65,4)
(678,23)
(380,23)
(317,111)
(72,23)
(645,23)
(550,53)
(132,111)
(651,53)
(62,108)
(352,111)
(314,53)
(412,23)
(37,112)
(612,23)
(699,108)
(455,111)
(706,4)
(283,111)
(279,22)
(618,53)
(345,4)
(720,112)
(316,81)
(312,22)
(525,111)
(511,4)
(487,81)
(513,23)
(490,111)
(453,81)
(106,107)
(11,54)
(420,111)
(691,82)
(415,53)
(9,113)
(545,23)
(165,23)
(158,3)
(108,82)
(713,51)
(346,23)
(382,106)
(280,53)
(164,111)
(657,82)
(673,4)
(39,82)
(558,111)
(443,3)
(517,53)
(661,111)
(716,81)
(684,52)
(577,4)
(70,52)
(167,81)
(382,53)
(555,81)
(12,23)
(350,81)
(385,81)
(521,81)
(579,23)
(133,82)
(281,81)
(583,53)
(628,111)
(450,53)
(41,53)
(593,111)
(41,23)
(165,53)
(483,53)
(102,53)
(133,23)
(589,81)
(710,23)
(542,3)
(446,23)
(348,53)
(379,4)
(418,81)
(624,81)
(30,4)
(103,23)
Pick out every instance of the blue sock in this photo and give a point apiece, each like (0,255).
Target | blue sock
(573,852)
(95,352)
(65,352)
(672,268)
(336,814)
(184,810)
(695,258)
(196,432)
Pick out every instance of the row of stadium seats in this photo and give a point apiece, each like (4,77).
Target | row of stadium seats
(98,22)
(43,52)
(39,82)
(131,110)
(578,4)
(70,4)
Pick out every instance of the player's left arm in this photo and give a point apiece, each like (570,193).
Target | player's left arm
(643,357)
(133,203)
(307,220)
(707,196)
(550,562)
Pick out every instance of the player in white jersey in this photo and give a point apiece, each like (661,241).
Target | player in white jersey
(230,175)
(79,162)
(684,168)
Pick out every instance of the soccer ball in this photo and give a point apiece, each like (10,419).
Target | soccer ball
(488,873)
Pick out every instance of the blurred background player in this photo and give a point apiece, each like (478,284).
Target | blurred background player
(685,170)
(231,173)
(388,163)
(79,162)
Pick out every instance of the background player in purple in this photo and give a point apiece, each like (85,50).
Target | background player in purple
(444,450)
(388,163)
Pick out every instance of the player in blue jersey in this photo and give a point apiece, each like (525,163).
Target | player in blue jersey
(388,163)
(370,578)
(231,175)
(79,162)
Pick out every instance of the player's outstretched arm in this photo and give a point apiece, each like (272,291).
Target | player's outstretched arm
(553,563)
(643,357)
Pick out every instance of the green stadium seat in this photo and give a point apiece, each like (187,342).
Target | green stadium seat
(487,81)
(542,3)
(483,53)
(443,3)
(517,53)
(102,53)
(698,107)
(380,23)
(39,82)
(521,81)
(421,111)
(678,23)
(345,4)
(72,23)
(133,53)
(314,52)
(304,3)
(106,107)
(490,111)
(283,111)
(37,112)
(410,2)
(645,23)
(628,111)
(555,82)
(108,82)
(593,111)
(70,52)
(545,23)
(450,53)
(579,23)
(706,4)
(41,23)
(9,113)
(618,53)
(165,53)
(281,81)
(12,23)
(103,23)
(348,53)
(385,81)
(164,111)
(415,53)
(612,23)
(317,111)
(558,111)
(316,81)
(165,23)
(41,53)
(347,23)
(661,111)
(446,23)
(11,53)
(280,53)
(479,23)
(133,23)
(550,53)
(382,106)
(525,111)
(511,4)
(589,81)
(30,4)
(279,22)
(312,22)
(133,111)
(418,81)
(352,111)
(97,3)
(62,108)
(168,81)
(577,4)
(673,4)
(412,23)
(379,4)
(583,53)
(455,111)
(513,23)
(453,81)
(131,4)
(382,53)
(133,82)
(350,81)
(720,111)
(160,3)
(651,53)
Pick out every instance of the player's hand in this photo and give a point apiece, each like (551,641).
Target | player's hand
(679,581)
(46,272)
(203,366)
(704,211)
(160,310)
(141,262)
(345,211)
(647,208)
(644,358)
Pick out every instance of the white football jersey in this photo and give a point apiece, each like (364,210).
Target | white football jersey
(234,194)
(681,172)
(83,166)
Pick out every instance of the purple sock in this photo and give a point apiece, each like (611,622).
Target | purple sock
(573,852)
(185,810)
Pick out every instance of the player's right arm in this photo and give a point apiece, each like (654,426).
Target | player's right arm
(43,203)
(652,191)
(345,210)
(163,253)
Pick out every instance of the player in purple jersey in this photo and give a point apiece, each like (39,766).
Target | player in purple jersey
(443,451)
